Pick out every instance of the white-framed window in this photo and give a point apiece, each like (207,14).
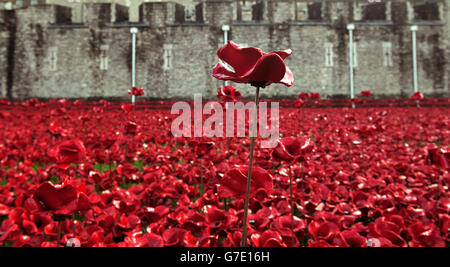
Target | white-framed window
(329,54)
(387,54)
(53,58)
(167,56)
(104,57)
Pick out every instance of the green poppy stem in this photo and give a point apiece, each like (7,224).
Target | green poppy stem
(250,165)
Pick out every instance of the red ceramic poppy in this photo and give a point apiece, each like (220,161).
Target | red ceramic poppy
(299,103)
(323,231)
(229,94)
(202,148)
(70,151)
(251,65)
(290,148)
(366,93)
(174,237)
(216,218)
(131,127)
(425,235)
(439,156)
(356,101)
(235,181)
(303,95)
(60,198)
(136,91)
(271,239)
(314,95)
(127,108)
(417,96)
(350,239)
(144,240)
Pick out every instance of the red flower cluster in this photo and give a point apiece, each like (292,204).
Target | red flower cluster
(371,176)
(366,93)
(136,91)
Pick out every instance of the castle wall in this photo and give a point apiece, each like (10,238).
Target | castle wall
(48,57)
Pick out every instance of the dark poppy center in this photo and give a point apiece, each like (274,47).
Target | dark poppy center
(259,84)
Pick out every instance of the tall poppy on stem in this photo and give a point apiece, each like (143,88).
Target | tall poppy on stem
(63,200)
(202,149)
(291,150)
(251,65)
(417,96)
(364,131)
(228,94)
(135,91)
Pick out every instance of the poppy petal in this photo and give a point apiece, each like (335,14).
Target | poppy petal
(269,68)
(242,59)
(288,78)
(223,73)
(55,198)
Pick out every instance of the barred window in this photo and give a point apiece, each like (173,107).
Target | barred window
(104,57)
(387,54)
(329,54)
(53,58)
(167,65)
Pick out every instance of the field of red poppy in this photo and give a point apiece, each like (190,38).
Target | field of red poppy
(372,176)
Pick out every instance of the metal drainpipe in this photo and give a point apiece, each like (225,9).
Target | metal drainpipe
(414,29)
(133,31)
(225,29)
(350,28)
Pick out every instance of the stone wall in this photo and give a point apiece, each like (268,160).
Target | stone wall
(48,57)
(4,37)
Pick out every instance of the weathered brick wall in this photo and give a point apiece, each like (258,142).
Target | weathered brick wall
(174,59)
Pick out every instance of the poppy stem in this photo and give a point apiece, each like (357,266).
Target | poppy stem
(58,235)
(201,176)
(250,165)
(437,199)
(362,149)
(73,226)
(291,204)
